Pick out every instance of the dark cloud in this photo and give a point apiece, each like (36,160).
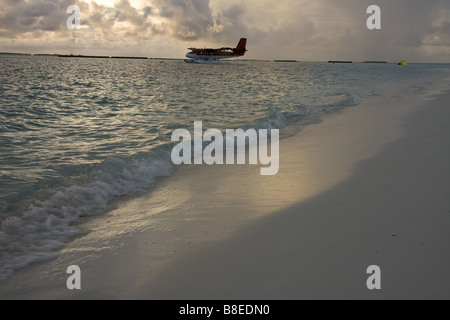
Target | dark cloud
(406,26)
(232,22)
(32,17)
(300,29)
(330,29)
(187,19)
(181,19)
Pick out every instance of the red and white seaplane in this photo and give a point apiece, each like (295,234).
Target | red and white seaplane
(213,56)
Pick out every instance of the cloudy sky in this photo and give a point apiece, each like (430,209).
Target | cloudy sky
(416,30)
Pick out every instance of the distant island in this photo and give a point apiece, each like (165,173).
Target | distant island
(15,54)
(333,61)
(98,57)
(58,55)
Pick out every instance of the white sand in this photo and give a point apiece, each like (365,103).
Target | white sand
(369,186)
(393,212)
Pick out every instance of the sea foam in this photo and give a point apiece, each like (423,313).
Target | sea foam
(48,224)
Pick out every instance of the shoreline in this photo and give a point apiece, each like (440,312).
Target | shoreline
(219,215)
(393,212)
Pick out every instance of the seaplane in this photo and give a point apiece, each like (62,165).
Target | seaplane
(213,56)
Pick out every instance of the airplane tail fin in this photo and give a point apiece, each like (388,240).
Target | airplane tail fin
(241,46)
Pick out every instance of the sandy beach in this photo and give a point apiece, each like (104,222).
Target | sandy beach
(392,211)
(367,186)
(327,124)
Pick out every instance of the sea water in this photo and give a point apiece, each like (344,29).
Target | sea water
(76,134)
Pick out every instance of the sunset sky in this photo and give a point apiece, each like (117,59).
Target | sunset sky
(320,30)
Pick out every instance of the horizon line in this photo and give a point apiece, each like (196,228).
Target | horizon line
(163,58)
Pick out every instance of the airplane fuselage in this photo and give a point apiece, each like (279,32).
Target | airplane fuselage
(208,56)
(217,54)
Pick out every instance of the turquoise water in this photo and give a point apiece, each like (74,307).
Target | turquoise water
(77,133)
